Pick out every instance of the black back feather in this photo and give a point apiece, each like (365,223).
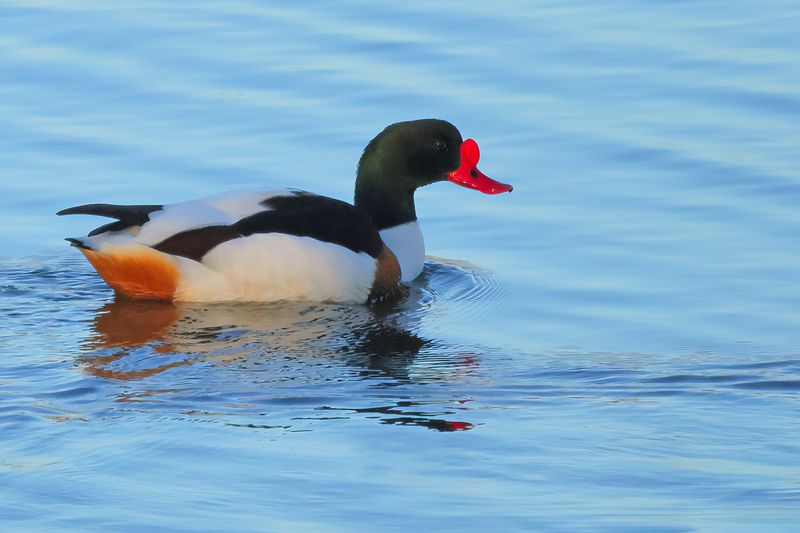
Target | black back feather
(117,225)
(132,215)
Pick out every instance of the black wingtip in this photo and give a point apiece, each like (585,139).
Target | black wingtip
(77,210)
(76,243)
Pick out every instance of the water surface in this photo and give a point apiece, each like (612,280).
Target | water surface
(611,347)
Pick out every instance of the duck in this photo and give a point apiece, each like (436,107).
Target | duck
(288,244)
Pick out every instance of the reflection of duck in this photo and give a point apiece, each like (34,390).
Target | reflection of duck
(413,414)
(380,338)
(367,336)
(285,344)
(288,245)
(125,322)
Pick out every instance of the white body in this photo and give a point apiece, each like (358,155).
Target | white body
(260,267)
(408,245)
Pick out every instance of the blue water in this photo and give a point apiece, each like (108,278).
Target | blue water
(615,346)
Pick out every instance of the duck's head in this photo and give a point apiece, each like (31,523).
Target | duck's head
(409,155)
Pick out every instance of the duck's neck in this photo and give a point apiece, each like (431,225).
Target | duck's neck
(391,207)
(388,207)
(383,190)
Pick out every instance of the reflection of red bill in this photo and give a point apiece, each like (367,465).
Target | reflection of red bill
(468,175)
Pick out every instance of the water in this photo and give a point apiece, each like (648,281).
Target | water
(611,347)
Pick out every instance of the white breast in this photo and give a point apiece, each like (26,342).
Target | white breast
(408,245)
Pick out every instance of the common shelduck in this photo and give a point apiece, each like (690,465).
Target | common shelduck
(288,244)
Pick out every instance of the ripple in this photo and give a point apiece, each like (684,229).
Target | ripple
(787,363)
(70,393)
(689,378)
(459,282)
(768,385)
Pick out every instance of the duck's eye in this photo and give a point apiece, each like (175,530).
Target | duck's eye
(440,145)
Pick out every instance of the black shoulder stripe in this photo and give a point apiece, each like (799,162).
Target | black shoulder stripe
(303,215)
(319,217)
(196,243)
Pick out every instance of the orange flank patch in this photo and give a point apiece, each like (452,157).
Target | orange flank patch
(139,274)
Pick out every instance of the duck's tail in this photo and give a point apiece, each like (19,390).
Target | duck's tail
(129,268)
(135,271)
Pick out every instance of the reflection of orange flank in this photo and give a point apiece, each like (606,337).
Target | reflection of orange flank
(140,274)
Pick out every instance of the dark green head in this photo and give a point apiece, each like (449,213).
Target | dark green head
(402,158)
(409,155)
